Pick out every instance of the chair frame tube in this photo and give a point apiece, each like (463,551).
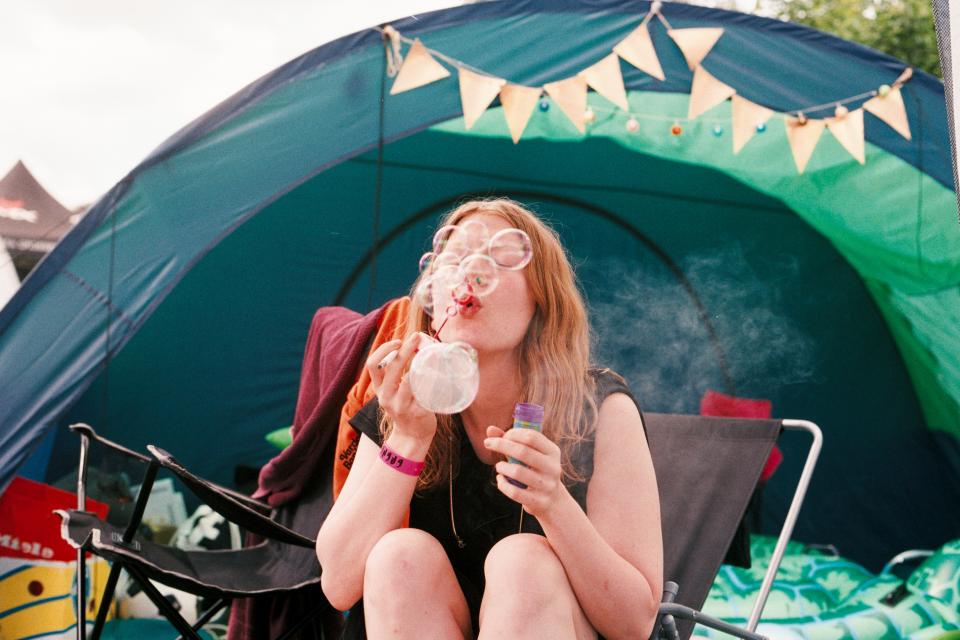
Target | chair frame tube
(687,613)
(792,513)
(81,559)
(140,506)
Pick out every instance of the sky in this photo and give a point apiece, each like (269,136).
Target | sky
(90,88)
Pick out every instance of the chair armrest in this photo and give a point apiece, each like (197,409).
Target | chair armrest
(86,431)
(229,503)
(686,613)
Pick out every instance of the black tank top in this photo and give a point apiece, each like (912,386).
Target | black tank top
(483,515)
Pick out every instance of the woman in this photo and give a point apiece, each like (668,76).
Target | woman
(576,553)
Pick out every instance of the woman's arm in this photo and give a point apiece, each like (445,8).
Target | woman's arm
(614,558)
(375,496)
(374,500)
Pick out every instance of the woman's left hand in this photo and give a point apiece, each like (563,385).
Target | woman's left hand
(542,475)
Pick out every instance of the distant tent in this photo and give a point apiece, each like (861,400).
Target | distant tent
(31,220)
(176,310)
(9,280)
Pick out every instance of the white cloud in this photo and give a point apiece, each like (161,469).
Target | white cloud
(90,88)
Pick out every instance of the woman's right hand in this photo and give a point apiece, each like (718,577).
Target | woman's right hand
(410,420)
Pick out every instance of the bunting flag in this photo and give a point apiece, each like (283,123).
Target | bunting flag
(848,130)
(478,90)
(706,92)
(571,95)
(605,78)
(637,49)
(695,43)
(803,136)
(476,93)
(518,104)
(890,109)
(747,116)
(419,68)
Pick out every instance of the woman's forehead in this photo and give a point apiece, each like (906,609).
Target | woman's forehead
(493,221)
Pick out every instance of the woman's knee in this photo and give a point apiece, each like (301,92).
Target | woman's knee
(522,553)
(403,557)
(527,588)
(525,563)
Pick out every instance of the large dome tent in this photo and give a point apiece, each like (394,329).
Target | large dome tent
(176,311)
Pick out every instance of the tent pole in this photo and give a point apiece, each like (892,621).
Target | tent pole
(379,179)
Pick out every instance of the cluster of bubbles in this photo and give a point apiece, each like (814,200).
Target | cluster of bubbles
(465,262)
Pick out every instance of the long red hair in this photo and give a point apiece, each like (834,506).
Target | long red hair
(554,354)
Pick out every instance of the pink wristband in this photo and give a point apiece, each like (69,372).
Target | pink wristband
(398,462)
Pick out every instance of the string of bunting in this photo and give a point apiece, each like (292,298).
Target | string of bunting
(479,89)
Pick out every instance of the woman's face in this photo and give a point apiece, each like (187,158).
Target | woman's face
(499,320)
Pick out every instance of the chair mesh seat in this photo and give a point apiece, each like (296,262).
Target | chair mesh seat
(261,569)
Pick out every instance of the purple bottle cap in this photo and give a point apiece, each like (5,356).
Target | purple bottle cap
(528,412)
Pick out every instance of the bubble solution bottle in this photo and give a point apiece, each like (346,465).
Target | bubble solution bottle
(526,416)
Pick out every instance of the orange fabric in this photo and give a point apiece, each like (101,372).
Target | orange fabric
(392,327)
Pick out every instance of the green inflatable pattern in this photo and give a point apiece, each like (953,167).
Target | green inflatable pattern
(821,597)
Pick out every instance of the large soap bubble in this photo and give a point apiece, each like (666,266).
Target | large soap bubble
(480,274)
(462,239)
(444,378)
(510,249)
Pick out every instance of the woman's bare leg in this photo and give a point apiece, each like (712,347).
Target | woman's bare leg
(528,595)
(411,591)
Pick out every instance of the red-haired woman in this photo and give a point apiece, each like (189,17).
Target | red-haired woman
(576,553)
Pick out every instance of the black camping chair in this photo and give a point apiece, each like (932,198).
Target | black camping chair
(706,469)
(285,562)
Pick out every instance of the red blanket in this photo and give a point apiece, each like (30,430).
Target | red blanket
(334,356)
(714,403)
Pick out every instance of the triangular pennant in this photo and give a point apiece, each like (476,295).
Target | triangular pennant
(706,92)
(571,95)
(747,116)
(695,43)
(518,103)
(890,109)
(605,78)
(637,49)
(476,93)
(419,68)
(848,130)
(803,137)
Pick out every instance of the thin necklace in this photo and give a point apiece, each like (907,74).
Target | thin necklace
(453,523)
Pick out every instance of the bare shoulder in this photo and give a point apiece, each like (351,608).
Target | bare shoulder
(618,415)
(620,442)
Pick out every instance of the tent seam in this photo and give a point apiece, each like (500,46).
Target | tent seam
(100,297)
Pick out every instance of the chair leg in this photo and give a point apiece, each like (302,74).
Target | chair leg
(208,615)
(81,595)
(104,608)
(163,604)
(670,591)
